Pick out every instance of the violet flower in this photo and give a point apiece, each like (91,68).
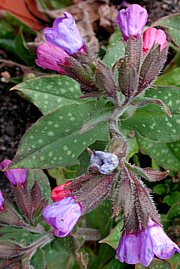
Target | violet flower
(142,247)
(50,57)
(63,215)
(104,162)
(1,201)
(65,34)
(132,21)
(15,175)
(154,36)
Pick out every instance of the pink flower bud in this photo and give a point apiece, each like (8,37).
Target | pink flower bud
(142,247)
(50,57)
(1,201)
(58,193)
(16,175)
(132,21)
(154,36)
(62,215)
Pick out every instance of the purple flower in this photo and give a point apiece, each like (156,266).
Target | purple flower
(142,247)
(132,21)
(105,162)
(50,57)
(1,201)
(62,215)
(65,34)
(16,175)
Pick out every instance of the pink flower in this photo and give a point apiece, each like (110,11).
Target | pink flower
(1,201)
(59,193)
(65,34)
(50,57)
(142,247)
(16,175)
(62,215)
(132,21)
(154,36)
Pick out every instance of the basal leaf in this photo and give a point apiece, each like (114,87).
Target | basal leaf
(151,122)
(165,154)
(115,264)
(50,92)
(55,140)
(171,24)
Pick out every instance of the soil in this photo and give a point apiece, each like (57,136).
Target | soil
(17,114)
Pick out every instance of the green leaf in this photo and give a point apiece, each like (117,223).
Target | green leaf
(151,122)
(59,253)
(172,199)
(38,259)
(113,238)
(50,92)
(115,264)
(55,140)
(39,176)
(8,45)
(170,78)
(174,211)
(11,19)
(6,31)
(115,49)
(155,264)
(18,235)
(171,24)
(160,189)
(100,218)
(22,51)
(165,154)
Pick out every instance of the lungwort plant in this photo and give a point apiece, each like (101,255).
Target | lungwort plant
(94,111)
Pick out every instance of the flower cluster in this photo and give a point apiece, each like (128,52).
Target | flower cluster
(62,40)
(109,175)
(141,247)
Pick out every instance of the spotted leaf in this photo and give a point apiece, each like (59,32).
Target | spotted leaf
(151,122)
(50,92)
(55,139)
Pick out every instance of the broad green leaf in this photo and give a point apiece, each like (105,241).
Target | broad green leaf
(155,264)
(104,255)
(8,45)
(11,19)
(174,211)
(18,235)
(6,31)
(152,123)
(165,154)
(172,199)
(50,92)
(38,260)
(115,264)
(59,254)
(171,24)
(22,51)
(113,238)
(41,178)
(54,140)
(170,78)
(100,218)
(115,49)
(160,189)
